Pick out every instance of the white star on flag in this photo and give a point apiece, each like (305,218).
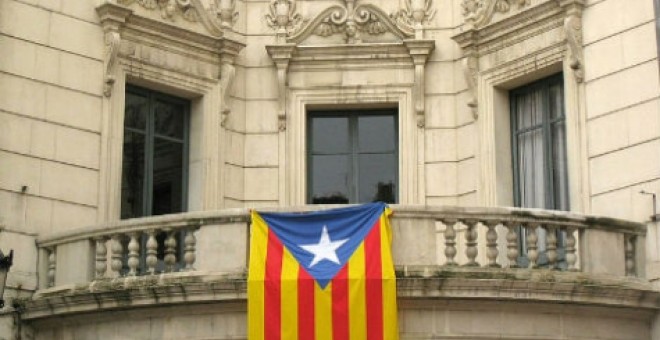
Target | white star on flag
(325,249)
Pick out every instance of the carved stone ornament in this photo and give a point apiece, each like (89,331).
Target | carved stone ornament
(480,12)
(352,20)
(281,55)
(227,75)
(471,72)
(416,14)
(112,42)
(282,17)
(221,13)
(573,29)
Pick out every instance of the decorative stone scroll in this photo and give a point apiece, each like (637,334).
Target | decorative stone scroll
(281,55)
(478,13)
(573,29)
(220,14)
(352,20)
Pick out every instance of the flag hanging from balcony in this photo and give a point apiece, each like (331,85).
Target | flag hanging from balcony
(322,275)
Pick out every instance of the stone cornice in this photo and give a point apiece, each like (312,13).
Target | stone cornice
(419,283)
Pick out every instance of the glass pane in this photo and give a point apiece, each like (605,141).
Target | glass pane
(132,176)
(330,135)
(531,169)
(559,171)
(330,179)
(529,110)
(377,181)
(556,101)
(167,183)
(135,112)
(376,134)
(169,119)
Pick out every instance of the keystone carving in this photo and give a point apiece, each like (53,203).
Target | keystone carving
(416,14)
(283,18)
(352,20)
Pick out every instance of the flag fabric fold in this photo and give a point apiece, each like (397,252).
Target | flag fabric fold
(322,275)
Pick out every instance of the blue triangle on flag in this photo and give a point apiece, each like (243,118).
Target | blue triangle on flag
(323,241)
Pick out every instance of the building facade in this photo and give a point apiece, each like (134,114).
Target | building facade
(518,142)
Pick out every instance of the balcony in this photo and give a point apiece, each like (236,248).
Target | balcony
(446,258)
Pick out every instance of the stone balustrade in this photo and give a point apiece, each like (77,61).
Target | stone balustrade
(426,241)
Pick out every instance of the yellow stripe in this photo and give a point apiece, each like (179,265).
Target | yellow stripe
(391,329)
(256,273)
(289,296)
(323,312)
(357,301)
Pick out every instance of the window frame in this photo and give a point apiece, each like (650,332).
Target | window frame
(150,136)
(353,115)
(545,126)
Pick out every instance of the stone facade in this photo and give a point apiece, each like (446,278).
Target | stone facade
(252,70)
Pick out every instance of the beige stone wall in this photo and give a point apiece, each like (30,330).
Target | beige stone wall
(623,107)
(50,114)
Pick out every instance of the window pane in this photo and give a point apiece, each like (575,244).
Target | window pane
(529,110)
(136,111)
(559,171)
(169,118)
(132,183)
(556,101)
(167,183)
(531,168)
(330,135)
(376,134)
(330,179)
(377,181)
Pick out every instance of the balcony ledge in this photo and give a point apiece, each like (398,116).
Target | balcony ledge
(413,285)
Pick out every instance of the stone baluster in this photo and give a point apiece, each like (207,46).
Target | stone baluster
(133,254)
(101,257)
(471,242)
(152,251)
(450,241)
(571,257)
(512,244)
(189,249)
(630,254)
(491,244)
(117,250)
(532,247)
(170,251)
(51,266)
(551,247)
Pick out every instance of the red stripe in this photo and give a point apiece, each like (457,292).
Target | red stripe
(305,305)
(340,320)
(374,284)
(273,289)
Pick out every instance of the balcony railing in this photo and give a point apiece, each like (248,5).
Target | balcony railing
(432,238)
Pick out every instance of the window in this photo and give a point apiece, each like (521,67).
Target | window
(352,156)
(539,145)
(155,154)
(539,155)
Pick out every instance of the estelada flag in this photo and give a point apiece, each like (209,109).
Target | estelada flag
(322,275)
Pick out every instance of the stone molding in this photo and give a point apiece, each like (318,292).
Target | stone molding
(222,13)
(412,284)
